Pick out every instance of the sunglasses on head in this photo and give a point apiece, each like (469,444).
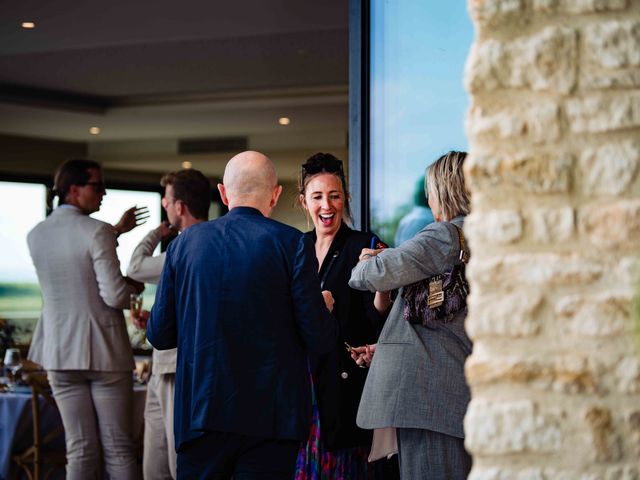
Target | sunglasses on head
(328,165)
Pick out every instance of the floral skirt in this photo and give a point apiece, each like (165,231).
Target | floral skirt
(315,463)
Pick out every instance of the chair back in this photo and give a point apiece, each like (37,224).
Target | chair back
(37,461)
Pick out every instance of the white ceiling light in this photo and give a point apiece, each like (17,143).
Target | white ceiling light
(94,131)
(284,121)
(28,25)
(187,164)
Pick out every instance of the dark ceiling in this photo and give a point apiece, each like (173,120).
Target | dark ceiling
(124,49)
(135,67)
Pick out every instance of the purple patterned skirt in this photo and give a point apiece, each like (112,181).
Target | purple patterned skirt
(315,463)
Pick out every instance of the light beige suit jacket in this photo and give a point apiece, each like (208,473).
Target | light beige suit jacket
(82,326)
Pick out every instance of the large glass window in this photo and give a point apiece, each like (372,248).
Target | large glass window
(22,206)
(417,103)
(114,204)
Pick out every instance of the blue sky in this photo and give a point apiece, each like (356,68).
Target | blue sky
(418,102)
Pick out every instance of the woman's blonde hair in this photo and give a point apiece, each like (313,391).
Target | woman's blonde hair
(445,181)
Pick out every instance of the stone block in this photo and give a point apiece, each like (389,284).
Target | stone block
(504,315)
(534,120)
(578,6)
(614,44)
(510,427)
(541,173)
(609,169)
(550,224)
(545,270)
(626,273)
(546,61)
(487,12)
(626,472)
(598,79)
(633,427)
(543,472)
(627,374)
(605,443)
(603,112)
(500,227)
(614,225)
(567,373)
(507,473)
(595,315)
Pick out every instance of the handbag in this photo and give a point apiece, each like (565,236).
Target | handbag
(437,299)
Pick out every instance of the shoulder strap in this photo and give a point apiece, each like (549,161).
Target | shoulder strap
(464,253)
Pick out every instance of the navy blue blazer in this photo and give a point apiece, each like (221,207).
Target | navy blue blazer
(240,298)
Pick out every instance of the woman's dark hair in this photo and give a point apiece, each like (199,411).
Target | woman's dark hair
(72,172)
(324,163)
(191,187)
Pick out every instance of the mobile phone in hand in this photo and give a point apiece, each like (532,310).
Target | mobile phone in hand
(377,244)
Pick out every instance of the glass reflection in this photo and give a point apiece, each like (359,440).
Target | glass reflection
(418,103)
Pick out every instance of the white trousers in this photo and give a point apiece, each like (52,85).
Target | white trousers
(84,396)
(159,455)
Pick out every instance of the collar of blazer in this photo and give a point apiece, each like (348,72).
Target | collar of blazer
(66,209)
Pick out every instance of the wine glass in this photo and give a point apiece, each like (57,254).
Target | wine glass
(135,311)
(12,363)
(135,305)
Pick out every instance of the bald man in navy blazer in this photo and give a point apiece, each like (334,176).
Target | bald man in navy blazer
(240,298)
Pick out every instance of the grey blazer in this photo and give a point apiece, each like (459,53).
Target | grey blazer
(82,326)
(416,379)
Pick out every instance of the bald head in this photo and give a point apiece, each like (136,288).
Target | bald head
(250,180)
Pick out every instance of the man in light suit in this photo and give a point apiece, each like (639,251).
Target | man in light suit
(187,197)
(84,342)
(240,298)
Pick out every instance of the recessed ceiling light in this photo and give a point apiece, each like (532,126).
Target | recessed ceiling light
(94,131)
(187,164)
(284,121)
(28,25)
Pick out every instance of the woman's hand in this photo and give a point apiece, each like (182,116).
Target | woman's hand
(363,355)
(328,299)
(367,253)
(382,301)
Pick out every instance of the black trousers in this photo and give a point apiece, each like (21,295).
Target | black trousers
(221,455)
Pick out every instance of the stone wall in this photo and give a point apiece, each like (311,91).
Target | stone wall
(554,131)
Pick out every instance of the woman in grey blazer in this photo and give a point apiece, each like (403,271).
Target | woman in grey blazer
(416,381)
(84,343)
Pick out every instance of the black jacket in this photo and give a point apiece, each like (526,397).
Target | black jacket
(358,324)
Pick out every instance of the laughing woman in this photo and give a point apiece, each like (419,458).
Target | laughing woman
(337,448)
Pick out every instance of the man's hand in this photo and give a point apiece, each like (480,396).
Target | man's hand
(131,219)
(328,299)
(363,355)
(141,320)
(166,231)
(139,286)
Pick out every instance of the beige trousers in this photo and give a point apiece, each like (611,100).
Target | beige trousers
(84,396)
(159,455)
